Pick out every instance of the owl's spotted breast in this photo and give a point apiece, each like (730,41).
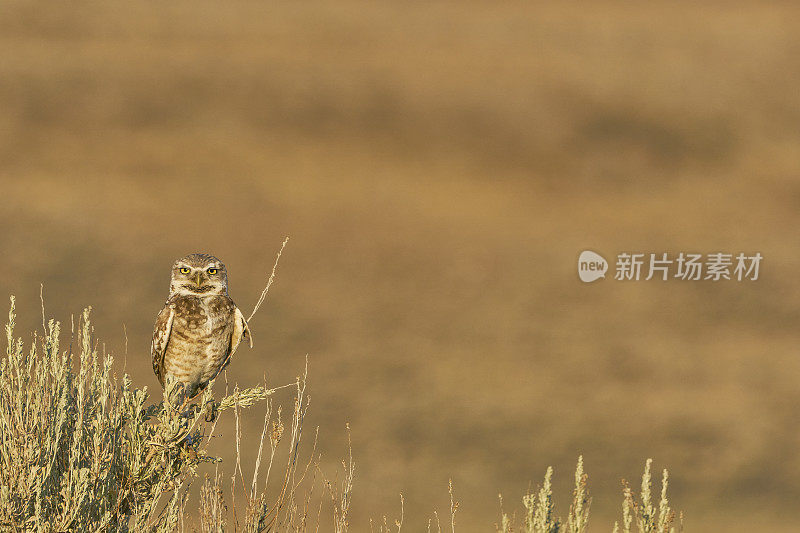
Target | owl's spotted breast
(200,340)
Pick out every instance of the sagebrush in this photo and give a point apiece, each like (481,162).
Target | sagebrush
(80,450)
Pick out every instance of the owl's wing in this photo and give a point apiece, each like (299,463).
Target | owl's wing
(240,331)
(161,334)
(246,334)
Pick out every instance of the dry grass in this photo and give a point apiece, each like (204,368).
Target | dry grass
(80,451)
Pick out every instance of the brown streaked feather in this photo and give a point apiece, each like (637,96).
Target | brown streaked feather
(240,331)
(161,335)
(246,334)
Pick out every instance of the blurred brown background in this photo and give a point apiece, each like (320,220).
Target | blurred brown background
(438,166)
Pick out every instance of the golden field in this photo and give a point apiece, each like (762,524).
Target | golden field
(438,167)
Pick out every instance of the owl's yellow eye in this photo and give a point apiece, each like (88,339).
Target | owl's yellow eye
(184,270)
(212,271)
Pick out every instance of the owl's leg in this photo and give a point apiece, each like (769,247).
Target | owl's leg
(192,393)
(176,393)
(179,395)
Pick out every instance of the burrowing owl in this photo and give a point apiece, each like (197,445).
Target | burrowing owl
(199,328)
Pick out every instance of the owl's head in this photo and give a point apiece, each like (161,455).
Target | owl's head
(198,275)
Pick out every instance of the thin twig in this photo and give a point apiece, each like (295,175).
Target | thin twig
(453,509)
(269,282)
(41,298)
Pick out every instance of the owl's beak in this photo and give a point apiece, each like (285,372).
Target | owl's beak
(198,280)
